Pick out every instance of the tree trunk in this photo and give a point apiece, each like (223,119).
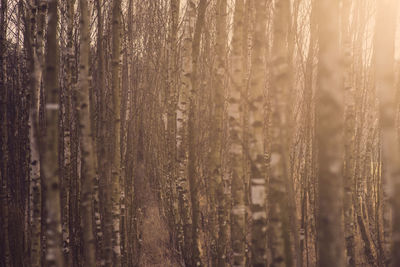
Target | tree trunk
(88,164)
(256,102)
(280,185)
(5,248)
(216,149)
(192,133)
(49,164)
(66,135)
(306,227)
(236,138)
(173,75)
(388,112)
(102,216)
(116,156)
(182,132)
(35,185)
(328,136)
(349,135)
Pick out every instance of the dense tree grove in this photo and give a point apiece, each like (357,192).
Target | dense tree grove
(199,133)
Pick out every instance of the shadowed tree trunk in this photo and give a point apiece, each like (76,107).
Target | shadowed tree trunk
(5,247)
(388,113)
(192,133)
(216,150)
(282,197)
(329,126)
(348,181)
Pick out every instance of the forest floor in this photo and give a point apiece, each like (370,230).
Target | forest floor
(155,247)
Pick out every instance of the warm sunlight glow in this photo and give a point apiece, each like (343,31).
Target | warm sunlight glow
(199,133)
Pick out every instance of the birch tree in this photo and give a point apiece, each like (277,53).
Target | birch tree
(35,182)
(116,157)
(50,145)
(88,170)
(198,132)
(258,175)
(236,139)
